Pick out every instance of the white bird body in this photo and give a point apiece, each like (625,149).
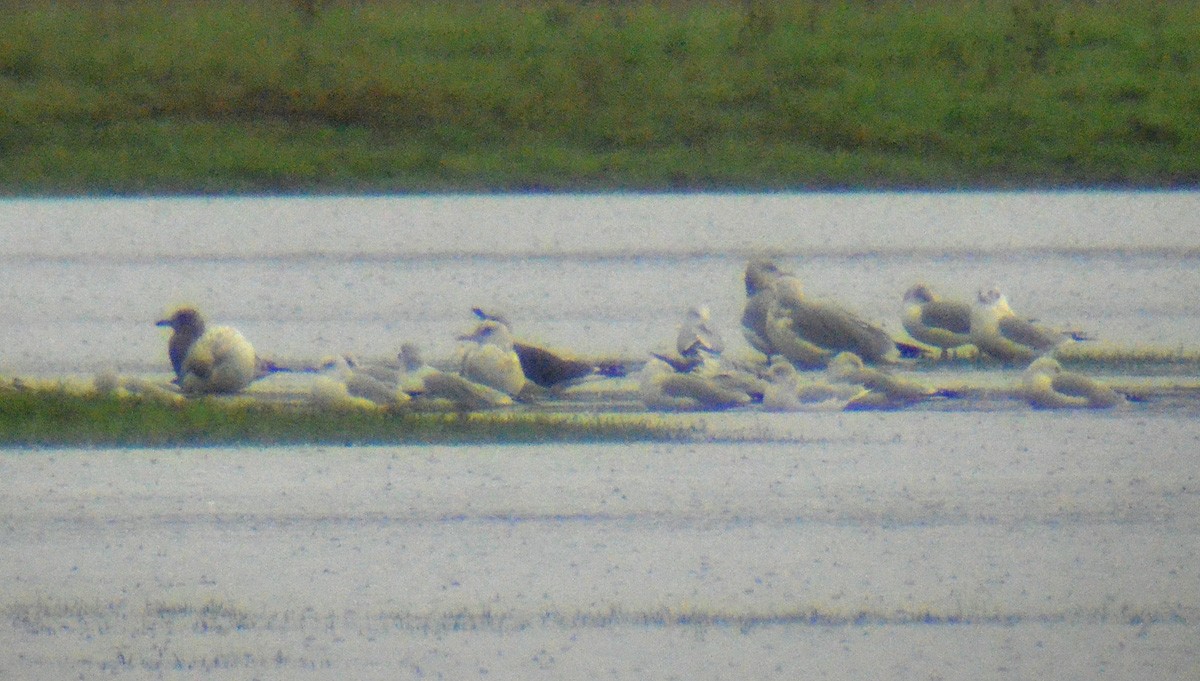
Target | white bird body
(999,332)
(209,359)
(661,387)
(220,361)
(788,391)
(431,388)
(1046,386)
(696,334)
(488,358)
(936,321)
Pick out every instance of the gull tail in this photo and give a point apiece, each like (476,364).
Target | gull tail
(612,369)
(910,351)
(266,366)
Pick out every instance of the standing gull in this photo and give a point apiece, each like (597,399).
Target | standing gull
(999,332)
(760,296)
(208,359)
(779,319)
(933,320)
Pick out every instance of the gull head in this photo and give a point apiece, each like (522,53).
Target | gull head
(992,297)
(410,357)
(919,293)
(490,332)
(760,274)
(184,320)
(1046,366)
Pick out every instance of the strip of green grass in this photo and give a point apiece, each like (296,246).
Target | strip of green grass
(61,418)
(423,95)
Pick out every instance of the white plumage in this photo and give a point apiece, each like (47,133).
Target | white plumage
(488,358)
(1046,386)
(999,332)
(208,360)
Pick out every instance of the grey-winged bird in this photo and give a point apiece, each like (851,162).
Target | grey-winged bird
(941,322)
(1046,385)
(999,332)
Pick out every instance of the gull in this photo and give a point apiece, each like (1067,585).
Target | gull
(788,391)
(884,390)
(999,332)
(809,333)
(933,320)
(214,359)
(488,358)
(696,343)
(662,387)
(760,296)
(549,369)
(696,378)
(1046,386)
(351,384)
(779,319)
(431,388)
(696,334)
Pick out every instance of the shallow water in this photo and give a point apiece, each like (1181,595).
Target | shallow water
(958,546)
(989,543)
(307,278)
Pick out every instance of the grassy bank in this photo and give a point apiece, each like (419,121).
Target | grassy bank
(418,95)
(51,417)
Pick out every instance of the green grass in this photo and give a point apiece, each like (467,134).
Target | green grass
(417,95)
(57,417)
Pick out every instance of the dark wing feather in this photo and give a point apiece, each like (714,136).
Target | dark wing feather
(1022,332)
(754,320)
(547,369)
(834,328)
(947,314)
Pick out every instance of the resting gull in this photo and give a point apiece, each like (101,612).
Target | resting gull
(787,390)
(933,320)
(695,333)
(488,358)
(550,369)
(206,359)
(999,332)
(885,390)
(433,389)
(662,387)
(1046,386)
(780,319)
(810,332)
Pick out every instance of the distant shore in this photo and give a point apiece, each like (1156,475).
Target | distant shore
(271,96)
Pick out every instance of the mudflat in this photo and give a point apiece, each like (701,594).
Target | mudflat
(949,545)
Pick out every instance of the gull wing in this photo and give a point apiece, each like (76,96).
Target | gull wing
(1030,335)
(947,314)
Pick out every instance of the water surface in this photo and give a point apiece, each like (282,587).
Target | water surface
(609,274)
(988,544)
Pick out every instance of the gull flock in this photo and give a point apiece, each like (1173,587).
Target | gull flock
(812,354)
